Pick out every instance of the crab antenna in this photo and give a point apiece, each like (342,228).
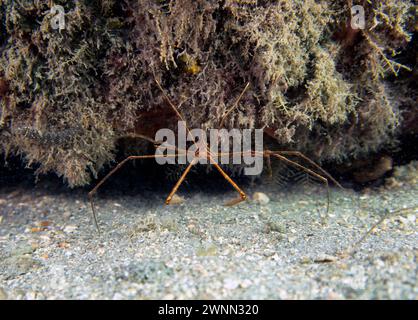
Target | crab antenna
(175,109)
(221,124)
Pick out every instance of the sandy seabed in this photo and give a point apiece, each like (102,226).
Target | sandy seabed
(288,248)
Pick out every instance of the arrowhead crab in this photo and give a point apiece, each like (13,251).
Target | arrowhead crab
(203,152)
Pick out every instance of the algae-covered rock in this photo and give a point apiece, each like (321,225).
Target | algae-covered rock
(70,96)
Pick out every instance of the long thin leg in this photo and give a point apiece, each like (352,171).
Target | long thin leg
(266,154)
(318,167)
(383,218)
(120,164)
(175,109)
(270,170)
(242,195)
(180,181)
(307,170)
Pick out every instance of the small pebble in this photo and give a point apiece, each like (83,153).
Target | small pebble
(275,226)
(231,284)
(67,215)
(261,198)
(70,228)
(64,245)
(305,260)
